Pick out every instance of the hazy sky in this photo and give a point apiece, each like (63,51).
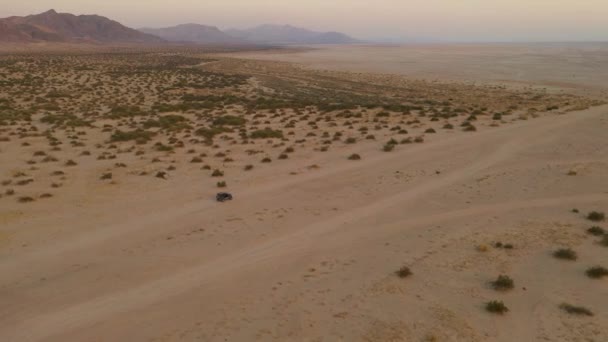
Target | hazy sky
(449,20)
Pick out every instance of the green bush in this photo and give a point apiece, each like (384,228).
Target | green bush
(25,199)
(229,120)
(388,147)
(503,283)
(497,307)
(209,133)
(597,272)
(266,133)
(565,253)
(596,216)
(138,135)
(596,231)
(403,272)
(168,122)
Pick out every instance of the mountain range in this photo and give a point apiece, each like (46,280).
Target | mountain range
(51,26)
(286,34)
(194,33)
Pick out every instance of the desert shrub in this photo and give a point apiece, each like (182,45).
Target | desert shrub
(266,160)
(229,120)
(604,241)
(388,147)
(354,156)
(25,199)
(217,173)
(503,245)
(430,130)
(403,272)
(209,133)
(596,216)
(24,182)
(448,126)
(196,160)
(481,248)
(497,307)
(70,162)
(470,128)
(575,310)
(46,195)
(139,135)
(266,133)
(565,254)
(221,184)
(596,231)
(350,140)
(248,167)
(283,156)
(597,272)
(503,283)
(168,122)
(105,176)
(67,120)
(162,147)
(119,112)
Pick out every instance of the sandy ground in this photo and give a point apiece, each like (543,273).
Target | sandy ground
(310,253)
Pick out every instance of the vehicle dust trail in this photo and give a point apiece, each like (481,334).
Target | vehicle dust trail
(81,314)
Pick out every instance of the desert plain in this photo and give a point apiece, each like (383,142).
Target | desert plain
(413,193)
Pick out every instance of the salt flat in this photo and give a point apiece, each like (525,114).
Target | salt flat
(575,67)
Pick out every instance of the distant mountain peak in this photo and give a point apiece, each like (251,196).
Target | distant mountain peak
(288,34)
(194,33)
(65,27)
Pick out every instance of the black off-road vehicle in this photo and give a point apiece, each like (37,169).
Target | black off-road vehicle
(223,197)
